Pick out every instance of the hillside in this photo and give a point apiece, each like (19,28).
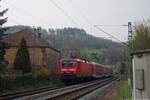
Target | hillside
(77,43)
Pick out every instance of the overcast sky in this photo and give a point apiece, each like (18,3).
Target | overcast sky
(78,13)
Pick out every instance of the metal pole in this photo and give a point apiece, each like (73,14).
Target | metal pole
(130,46)
(130,35)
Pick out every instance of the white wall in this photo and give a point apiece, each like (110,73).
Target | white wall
(143,63)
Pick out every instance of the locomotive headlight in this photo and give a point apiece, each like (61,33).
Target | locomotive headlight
(72,69)
(64,70)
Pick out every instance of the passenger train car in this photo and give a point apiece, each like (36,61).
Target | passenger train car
(75,69)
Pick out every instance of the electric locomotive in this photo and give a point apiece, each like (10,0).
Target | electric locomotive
(77,69)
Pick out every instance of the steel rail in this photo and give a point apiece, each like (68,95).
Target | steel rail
(27,92)
(81,91)
(62,92)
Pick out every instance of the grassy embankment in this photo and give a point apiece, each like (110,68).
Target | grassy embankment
(124,91)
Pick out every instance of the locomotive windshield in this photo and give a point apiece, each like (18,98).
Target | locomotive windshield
(69,64)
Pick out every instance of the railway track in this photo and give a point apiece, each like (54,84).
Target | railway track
(27,92)
(76,93)
(70,92)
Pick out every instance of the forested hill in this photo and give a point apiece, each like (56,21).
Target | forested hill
(77,42)
(68,37)
(86,46)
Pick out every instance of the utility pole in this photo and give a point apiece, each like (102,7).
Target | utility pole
(130,36)
(129,31)
(130,48)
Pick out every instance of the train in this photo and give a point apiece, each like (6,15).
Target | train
(78,69)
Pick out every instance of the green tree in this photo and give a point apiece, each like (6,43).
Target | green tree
(141,39)
(3,45)
(22,60)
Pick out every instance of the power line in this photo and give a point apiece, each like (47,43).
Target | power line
(81,13)
(28,13)
(70,18)
(130,30)
(63,11)
(13,21)
(89,22)
(95,26)
(110,35)
(112,25)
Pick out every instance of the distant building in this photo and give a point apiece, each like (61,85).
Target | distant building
(41,54)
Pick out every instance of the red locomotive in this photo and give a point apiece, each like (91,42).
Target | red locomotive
(72,69)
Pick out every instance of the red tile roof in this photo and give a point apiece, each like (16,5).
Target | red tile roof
(32,40)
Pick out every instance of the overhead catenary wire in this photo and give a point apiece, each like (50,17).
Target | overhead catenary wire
(110,35)
(65,13)
(28,13)
(13,21)
(81,13)
(112,25)
(113,36)
(70,18)
(95,26)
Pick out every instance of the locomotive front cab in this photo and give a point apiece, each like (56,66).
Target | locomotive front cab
(68,69)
